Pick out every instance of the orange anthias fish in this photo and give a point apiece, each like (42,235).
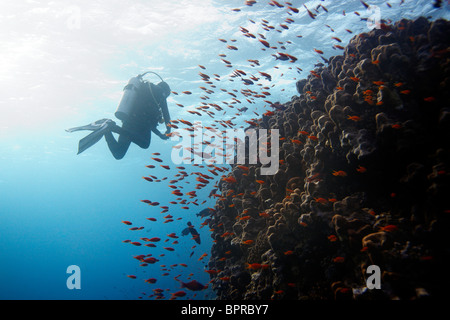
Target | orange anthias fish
(230,179)
(265,43)
(278,292)
(212,271)
(312,15)
(202,256)
(247,242)
(339,173)
(188,123)
(361,169)
(293,9)
(354,118)
(227,234)
(314,178)
(389,228)
(337,39)
(321,200)
(254,266)
(332,238)
(243,167)
(178,294)
(339,259)
(378,83)
(318,51)
(253,123)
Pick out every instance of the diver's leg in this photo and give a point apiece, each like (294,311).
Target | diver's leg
(128,133)
(139,136)
(118,148)
(143,140)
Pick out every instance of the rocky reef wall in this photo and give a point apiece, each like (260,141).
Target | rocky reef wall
(363,179)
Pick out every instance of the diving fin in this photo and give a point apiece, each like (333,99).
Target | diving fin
(92,126)
(90,140)
(99,128)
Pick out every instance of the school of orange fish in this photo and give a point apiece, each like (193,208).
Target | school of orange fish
(254,92)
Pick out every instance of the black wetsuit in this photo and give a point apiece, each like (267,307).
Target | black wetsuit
(138,128)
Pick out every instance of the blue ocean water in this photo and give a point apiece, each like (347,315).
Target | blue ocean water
(65,65)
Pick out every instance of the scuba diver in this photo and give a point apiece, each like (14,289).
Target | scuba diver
(142,107)
(191,229)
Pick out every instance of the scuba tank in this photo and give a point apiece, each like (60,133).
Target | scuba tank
(129,98)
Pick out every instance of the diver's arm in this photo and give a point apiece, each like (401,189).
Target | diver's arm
(166,114)
(159,134)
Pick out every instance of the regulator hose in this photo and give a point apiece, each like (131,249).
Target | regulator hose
(141,75)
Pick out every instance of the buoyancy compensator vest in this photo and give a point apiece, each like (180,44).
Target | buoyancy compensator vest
(132,96)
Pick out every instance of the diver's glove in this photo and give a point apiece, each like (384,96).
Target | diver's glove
(168,130)
(164,136)
(159,134)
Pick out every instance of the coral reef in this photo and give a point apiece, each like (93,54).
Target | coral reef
(363,179)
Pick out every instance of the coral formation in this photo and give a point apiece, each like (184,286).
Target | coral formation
(363,179)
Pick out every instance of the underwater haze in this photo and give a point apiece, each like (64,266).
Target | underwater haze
(65,65)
